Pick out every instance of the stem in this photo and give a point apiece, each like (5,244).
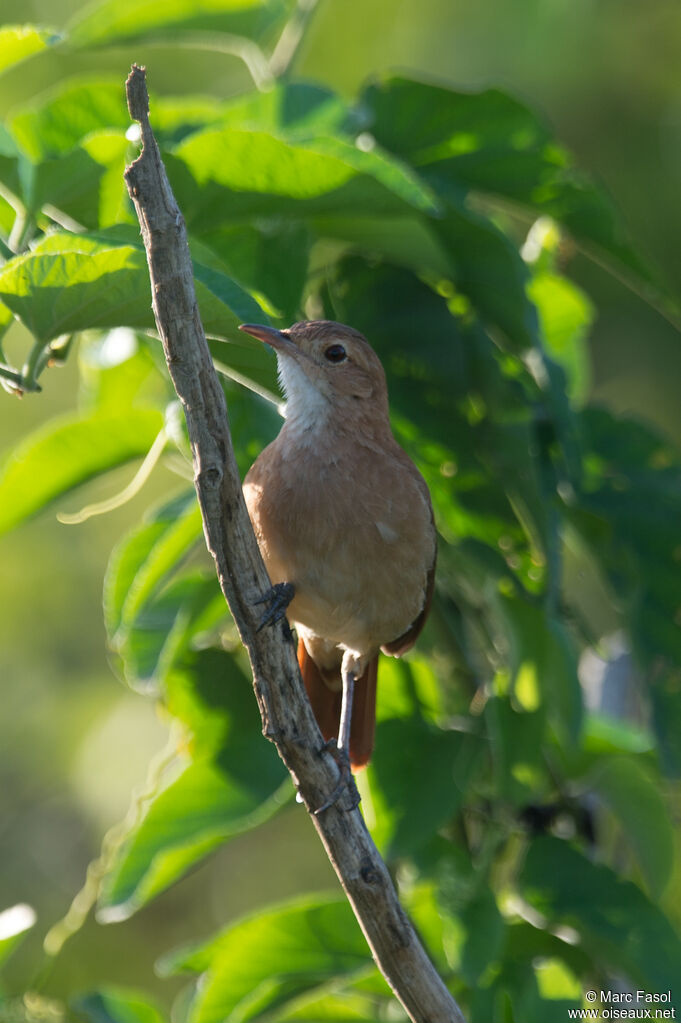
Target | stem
(37,360)
(126,494)
(287,47)
(15,381)
(286,713)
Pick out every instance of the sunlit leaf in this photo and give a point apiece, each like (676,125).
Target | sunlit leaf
(565,316)
(165,626)
(272,957)
(144,558)
(296,109)
(66,452)
(108,22)
(233,782)
(87,182)
(20,41)
(52,126)
(199,811)
(344,1007)
(235,173)
(75,282)
(148,628)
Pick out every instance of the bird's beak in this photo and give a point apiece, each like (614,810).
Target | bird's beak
(277,339)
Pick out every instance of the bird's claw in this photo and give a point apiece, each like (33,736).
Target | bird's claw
(346,780)
(278,598)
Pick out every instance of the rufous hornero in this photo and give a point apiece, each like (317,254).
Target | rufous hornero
(344,523)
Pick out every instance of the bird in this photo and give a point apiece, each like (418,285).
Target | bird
(344,522)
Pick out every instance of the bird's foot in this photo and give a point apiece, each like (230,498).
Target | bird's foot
(346,781)
(278,598)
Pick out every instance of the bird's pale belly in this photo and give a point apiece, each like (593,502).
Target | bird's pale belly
(358,612)
(358,589)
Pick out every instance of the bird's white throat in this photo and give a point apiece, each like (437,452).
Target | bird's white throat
(306,407)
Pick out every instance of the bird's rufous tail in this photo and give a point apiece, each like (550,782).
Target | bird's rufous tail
(326,704)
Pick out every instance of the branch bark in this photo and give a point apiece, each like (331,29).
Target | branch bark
(286,714)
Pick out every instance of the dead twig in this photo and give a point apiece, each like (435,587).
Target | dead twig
(287,718)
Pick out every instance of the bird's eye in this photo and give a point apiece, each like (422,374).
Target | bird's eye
(335,353)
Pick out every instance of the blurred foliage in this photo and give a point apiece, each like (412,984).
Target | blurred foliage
(534,842)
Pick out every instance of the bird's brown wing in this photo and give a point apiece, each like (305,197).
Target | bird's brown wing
(326,705)
(399,646)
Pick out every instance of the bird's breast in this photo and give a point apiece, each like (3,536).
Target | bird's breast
(351,529)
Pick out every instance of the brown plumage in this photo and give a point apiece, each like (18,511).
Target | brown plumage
(341,512)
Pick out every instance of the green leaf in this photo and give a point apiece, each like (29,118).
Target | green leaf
(254,420)
(533,992)
(666,697)
(14,923)
(632,793)
(141,562)
(604,734)
(565,317)
(66,452)
(87,182)
(165,626)
(454,407)
(420,120)
(270,258)
(108,22)
(20,41)
(117,1005)
(51,127)
(221,175)
(234,782)
(200,810)
(76,282)
(626,511)
(293,109)
(118,370)
(485,933)
(526,943)
(150,621)
(619,928)
(73,282)
(557,983)
(489,142)
(344,1007)
(543,663)
(11,176)
(516,749)
(488,269)
(629,502)
(408,241)
(410,804)
(409,688)
(271,957)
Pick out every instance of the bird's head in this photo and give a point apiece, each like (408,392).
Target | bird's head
(326,366)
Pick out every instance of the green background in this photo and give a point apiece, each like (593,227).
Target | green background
(73,742)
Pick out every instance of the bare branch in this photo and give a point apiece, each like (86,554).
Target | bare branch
(286,713)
